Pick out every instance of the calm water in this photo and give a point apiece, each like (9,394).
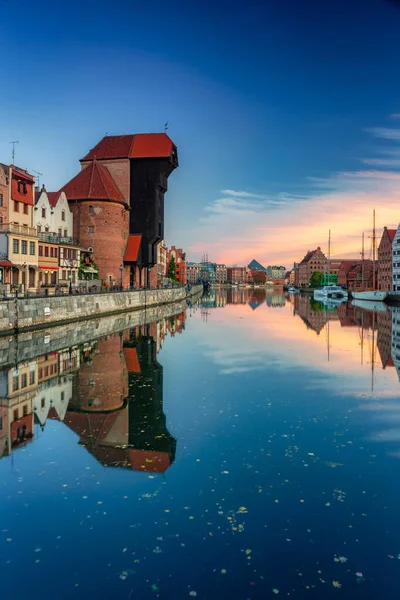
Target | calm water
(246,448)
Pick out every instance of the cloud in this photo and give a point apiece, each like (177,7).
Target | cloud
(281,227)
(395,116)
(385,133)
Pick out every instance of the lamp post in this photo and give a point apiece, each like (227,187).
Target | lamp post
(71,264)
(121,268)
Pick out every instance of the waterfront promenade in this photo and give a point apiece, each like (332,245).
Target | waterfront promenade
(25,314)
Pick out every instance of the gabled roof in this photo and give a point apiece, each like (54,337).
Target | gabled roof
(53,198)
(94,182)
(139,145)
(309,255)
(391,233)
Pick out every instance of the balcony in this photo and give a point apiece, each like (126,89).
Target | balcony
(18,229)
(52,238)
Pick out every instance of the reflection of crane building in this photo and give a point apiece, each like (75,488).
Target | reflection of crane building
(117,408)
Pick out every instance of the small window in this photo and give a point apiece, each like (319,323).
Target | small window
(1,199)
(91,229)
(62,396)
(16,414)
(31,377)
(1,423)
(46,251)
(64,274)
(65,233)
(1,220)
(43,213)
(25,410)
(16,246)
(24,380)
(25,209)
(15,383)
(42,402)
(46,229)
(39,229)
(16,206)
(91,210)
(55,252)
(63,215)
(60,232)
(24,247)
(51,251)
(40,250)
(32,248)
(22,187)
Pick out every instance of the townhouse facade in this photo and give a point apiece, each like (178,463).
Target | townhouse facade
(385,259)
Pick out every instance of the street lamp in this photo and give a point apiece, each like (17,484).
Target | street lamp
(71,264)
(121,268)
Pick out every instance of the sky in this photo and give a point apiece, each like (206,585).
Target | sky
(286,114)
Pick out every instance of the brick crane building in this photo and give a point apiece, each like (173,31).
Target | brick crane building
(117,201)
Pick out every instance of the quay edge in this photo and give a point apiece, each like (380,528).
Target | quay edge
(28,314)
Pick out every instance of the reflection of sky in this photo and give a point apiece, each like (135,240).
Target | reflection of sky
(245,341)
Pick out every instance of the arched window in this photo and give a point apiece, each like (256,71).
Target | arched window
(91,210)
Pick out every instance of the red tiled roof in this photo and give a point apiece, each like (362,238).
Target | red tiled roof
(53,198)
(149,461)
(140,145)
(309,255)
(5,263)
(132,248)
(391,233)
(152,145)
(132,361)
(94,182)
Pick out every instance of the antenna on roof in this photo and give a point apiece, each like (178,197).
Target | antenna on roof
(166,126)
(38,176)
(13,150)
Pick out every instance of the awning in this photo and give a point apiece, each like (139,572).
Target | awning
(48,268)
(132,248)
(5,263)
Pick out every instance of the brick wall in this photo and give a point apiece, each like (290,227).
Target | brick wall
(110,222)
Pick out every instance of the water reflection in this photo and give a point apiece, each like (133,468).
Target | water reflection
(108,391)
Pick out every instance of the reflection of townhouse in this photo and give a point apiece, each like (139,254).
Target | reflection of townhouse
(52,398)
(396,338)
(18,387)
(312,314)
(384,321)
(275,299)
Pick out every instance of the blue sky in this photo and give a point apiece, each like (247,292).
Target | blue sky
(274,107)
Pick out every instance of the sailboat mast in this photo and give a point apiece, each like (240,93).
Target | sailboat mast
(373,351)
(373,255)
(329,257)
(362,263)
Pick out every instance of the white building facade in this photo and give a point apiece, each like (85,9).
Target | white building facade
(396,261)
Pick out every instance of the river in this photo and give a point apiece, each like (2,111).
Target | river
(246,447)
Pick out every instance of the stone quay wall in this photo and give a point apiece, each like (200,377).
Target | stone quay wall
(28,345)
(26,314)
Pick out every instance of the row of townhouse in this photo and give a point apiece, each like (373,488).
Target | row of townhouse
(37,248)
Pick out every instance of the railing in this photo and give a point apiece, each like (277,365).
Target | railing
(58,239)
(20,229)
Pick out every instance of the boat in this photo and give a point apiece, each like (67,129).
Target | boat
(373,295)
(293,290)
(331,302)
(329,290)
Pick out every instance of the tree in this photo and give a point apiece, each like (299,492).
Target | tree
(259,277)
(172,269)
(316,279)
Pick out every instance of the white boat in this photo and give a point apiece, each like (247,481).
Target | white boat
(330,292)
(333,301)
(368,305)
(370,295)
